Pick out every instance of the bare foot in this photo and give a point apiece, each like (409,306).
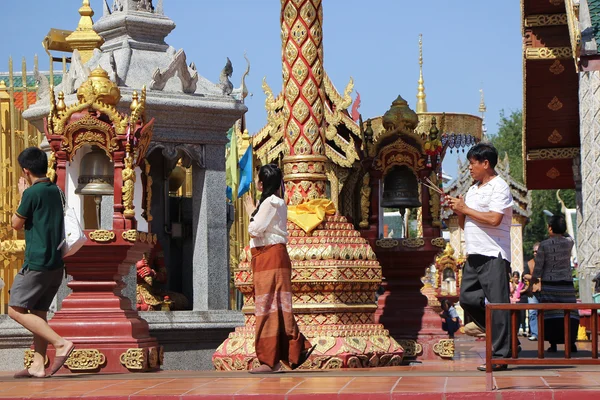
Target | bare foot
(64,348)
(37,370)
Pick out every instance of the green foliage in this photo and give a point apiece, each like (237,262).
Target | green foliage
(509,140)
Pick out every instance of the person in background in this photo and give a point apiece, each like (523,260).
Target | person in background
(533,291)
(450,318)
(277,337)
(553,269)
(40,213)
(516,288)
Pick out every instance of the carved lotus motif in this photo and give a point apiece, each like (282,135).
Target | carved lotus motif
(400,117)
(100,87)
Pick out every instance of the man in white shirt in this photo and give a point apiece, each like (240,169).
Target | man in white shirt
(485,215)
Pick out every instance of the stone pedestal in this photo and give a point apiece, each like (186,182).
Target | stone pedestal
(109,336)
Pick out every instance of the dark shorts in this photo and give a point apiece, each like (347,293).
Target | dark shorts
(35,290)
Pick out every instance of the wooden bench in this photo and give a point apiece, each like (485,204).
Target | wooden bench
(515,360)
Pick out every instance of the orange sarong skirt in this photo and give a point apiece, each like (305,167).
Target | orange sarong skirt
(277,337)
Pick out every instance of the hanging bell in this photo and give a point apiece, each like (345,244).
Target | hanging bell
(400,189)
(96,174)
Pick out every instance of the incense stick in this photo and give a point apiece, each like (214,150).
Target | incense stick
(434,188)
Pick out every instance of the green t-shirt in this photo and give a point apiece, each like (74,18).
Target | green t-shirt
(42,209)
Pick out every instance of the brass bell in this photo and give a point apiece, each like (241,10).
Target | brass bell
(176,178)
(96,174)
(400,189)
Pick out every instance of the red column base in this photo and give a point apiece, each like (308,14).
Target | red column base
(109,335)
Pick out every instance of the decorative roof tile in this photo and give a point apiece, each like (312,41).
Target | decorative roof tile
(594,8)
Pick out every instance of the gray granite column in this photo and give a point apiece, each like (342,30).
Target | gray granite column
(588,213)
(211,266)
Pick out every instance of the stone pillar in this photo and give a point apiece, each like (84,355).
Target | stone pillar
(516,243)
(211,268)
(588,214)
(457,240)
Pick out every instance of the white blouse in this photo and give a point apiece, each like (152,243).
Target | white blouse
(269,225)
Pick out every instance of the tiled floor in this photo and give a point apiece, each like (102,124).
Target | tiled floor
(448,380)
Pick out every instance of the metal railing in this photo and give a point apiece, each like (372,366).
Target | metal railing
(515,360)
(18,91)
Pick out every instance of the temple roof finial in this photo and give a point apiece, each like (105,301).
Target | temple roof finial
(84,38)
(482,110)
(421,103)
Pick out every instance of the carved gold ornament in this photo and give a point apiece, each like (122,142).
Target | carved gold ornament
(153,361)
(553,154)
(555,104)
(555,137)
(102,235)
(444,348)
(553,173)
(557,68)
(545,20)
(51,173)
(439,242)
(85,360)
(136,359)
(365,201)
(548,53)
(411,347)
(386,243)
(130,235)
(413,242)
(128,176)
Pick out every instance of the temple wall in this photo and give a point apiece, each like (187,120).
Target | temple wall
(588,213)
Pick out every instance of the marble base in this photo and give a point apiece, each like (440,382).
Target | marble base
(190,338)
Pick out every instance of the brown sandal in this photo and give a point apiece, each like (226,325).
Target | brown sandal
(23,374)
(59,361)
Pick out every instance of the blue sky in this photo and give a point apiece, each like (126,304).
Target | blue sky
(468,45)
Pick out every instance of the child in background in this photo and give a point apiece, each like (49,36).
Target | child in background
(450,319)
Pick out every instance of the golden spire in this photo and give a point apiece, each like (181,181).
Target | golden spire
(482,107)
(84,39)
(482,110)
(421,103)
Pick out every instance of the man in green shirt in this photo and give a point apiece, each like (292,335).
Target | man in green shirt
(40,213)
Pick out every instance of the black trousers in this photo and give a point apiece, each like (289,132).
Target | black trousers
(487,278)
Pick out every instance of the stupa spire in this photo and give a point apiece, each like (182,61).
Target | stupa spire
(482,110)
(84,39)
(421,103)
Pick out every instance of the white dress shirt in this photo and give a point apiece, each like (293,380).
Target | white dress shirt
(269,225)
(484,239)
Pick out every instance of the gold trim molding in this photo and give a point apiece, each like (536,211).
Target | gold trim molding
(545,20)
(85,360)
(553,154)
(102,235)
(548,53)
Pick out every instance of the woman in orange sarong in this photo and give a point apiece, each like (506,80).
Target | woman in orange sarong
(277,337)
